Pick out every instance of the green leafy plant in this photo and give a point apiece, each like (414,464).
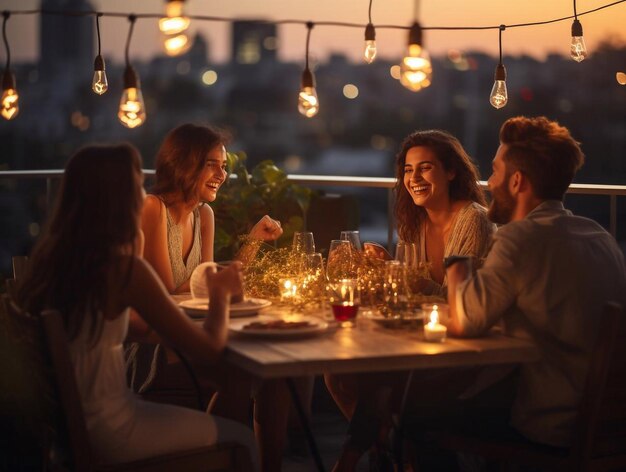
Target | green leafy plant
(247,196)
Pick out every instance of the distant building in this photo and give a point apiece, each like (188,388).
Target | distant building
(66,42)
(253,42)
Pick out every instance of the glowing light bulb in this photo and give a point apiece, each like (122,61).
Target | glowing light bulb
(308,105)
(131,112)
(174,22)
(10,98)
(416,69)
(621,78)
(578,50)
(99,84)
(499,96)
(176,45)
(370,44)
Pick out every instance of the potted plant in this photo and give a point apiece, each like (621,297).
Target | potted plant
(246,196)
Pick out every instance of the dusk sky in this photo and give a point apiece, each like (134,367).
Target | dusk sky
(535,41)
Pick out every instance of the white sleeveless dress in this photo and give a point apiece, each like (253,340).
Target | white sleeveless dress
(122,427)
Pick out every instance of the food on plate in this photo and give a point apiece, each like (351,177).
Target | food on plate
(279,324)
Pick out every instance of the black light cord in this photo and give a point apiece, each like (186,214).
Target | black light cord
(6,15)
(370,12)
(319,23)
(575,15)
(309,27)
(132,19)
(502,28)
(98,15)
(416,8)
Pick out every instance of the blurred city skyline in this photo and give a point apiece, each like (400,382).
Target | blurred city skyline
(536,41)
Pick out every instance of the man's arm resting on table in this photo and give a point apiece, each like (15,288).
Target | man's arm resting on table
(457,273)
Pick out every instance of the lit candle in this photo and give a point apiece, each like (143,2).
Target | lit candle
(288,290)
(433,330)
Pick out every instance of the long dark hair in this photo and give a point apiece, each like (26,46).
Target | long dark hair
(181,158)
(96,216)
(450,152)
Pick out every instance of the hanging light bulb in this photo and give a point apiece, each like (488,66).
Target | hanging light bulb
(416,69)
(369,52)
(578,50)
(174,22)
(10,98)
(621,78)
(176,45)
(499,96)
(9,102)
(99,84)
(132,109)
(308,104)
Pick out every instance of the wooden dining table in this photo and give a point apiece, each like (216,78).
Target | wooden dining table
(371,346)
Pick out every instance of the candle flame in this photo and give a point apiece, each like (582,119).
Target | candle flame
(434,316)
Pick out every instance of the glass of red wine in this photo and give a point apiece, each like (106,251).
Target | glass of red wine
(345,301)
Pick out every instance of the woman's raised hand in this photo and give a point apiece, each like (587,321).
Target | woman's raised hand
(267,229)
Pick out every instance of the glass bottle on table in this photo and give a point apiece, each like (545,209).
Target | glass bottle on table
(396,291)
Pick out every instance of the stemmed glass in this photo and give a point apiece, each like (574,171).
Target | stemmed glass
(303,242)
(406,253)
(340,264)
(353,237)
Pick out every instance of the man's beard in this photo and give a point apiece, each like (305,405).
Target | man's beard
(502,205)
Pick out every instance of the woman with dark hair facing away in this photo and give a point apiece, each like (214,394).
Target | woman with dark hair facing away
(440,207)
(85,265)
(178,226)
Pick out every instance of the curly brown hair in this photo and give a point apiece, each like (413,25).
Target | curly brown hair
(181,158)
(450,152)
(544,151)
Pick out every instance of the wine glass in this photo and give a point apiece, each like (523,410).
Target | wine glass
(396,290)
(353,237)
(406,253)
(303,242)
(340,264)
(345,301)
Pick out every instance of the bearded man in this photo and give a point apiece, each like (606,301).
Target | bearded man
(546,277)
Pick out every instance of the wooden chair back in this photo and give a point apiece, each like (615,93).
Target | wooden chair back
(42,348)
(599,437)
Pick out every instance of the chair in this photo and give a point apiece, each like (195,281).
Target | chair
(40,349)
(19,266)
(599,441)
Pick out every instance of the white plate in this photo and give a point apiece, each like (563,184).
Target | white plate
(196,307)
(392,322)
(315,326)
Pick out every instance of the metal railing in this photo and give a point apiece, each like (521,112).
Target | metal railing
(612,191)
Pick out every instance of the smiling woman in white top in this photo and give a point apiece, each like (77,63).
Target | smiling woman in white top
(178,225)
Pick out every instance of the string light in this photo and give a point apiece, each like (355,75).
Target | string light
(132,109)
(308,105)
(172,26)
(499,96)
(369,52)
(578,50)
(99,84)
(10,97)
(174,22)
(416,69)
(621,78)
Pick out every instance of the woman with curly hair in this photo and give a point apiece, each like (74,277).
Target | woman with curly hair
(439,203)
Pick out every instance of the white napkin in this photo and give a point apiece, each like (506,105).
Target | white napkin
(198,283)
